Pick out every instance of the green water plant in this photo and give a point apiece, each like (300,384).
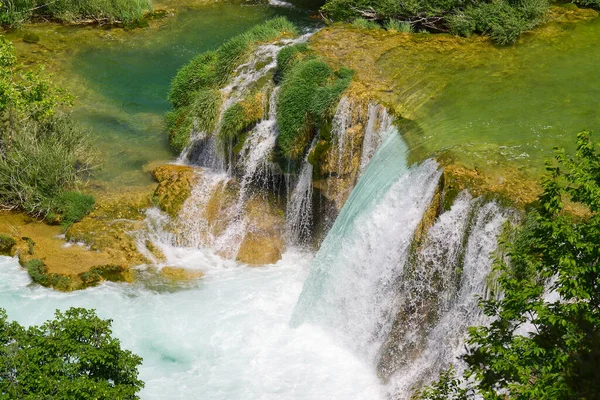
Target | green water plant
(542,342)
(363,23)
(73,356)
(393,25)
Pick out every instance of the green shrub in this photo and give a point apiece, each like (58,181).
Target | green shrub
(235,51)
(503,20)
(73,206)
(194,91)
(38,272)
(41,160)
(113,273)
(43,151)
(6,244)
(73,356)
(239,118)
(289,56)
(200,116)
(307,96)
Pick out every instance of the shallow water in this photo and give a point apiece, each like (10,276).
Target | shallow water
(226,338)
(495,106)
(121,79)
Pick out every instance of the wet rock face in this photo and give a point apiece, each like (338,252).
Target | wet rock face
(263,242)
(178,274)
(175,184)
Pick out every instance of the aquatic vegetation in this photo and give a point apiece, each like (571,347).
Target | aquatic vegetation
(309,91)
(13,12)
(72,356)
(503,20)
(72,207)
(195,95)
(43,152)
(240,117)
(194,76)
(362,23)
(6,244)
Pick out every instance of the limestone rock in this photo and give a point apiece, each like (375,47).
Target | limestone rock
(175,184)
(179,274)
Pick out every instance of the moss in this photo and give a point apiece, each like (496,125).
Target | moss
(113,273)
(241,117)
(7,243)
(200,116)
(196,75)
(30,245)
(307,96)
(39,274)
(30,37)
(73,206)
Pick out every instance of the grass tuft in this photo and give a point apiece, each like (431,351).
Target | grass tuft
(308,94)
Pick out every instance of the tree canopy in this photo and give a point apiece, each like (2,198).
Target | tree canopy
(73,356)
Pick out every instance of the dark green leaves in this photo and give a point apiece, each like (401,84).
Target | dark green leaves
(73,356)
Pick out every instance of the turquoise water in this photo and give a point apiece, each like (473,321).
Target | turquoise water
(227,338)
(122,85)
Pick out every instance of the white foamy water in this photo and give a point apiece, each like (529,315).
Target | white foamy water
(227,338)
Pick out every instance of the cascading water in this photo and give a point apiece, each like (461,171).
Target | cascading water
(378,123)
(351,287)
(299,205)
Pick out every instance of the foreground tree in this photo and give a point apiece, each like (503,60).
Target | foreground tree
(73,356)
(544,338)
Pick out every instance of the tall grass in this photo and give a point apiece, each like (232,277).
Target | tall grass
(308,94)
(394,25)
(18,11)
(39,160)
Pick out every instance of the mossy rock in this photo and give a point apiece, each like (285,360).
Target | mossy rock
(178,274)
(7,244)
(31,38)
(113,273)
(175,183)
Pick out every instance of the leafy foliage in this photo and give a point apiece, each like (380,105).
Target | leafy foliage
(503,20)
(73,357)
(14,12)
(307,96)
(42,152)
(543,341)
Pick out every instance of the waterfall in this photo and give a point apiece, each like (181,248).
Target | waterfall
(352,280)
(378,123)
(256,152)
(398,290)
(299,205)
(202,149)
(442,343)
